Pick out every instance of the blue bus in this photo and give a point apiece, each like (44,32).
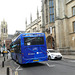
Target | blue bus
(29,48)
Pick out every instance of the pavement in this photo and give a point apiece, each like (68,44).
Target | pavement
(3,70)
(72,57)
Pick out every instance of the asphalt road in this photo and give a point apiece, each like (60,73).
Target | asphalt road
(51,67)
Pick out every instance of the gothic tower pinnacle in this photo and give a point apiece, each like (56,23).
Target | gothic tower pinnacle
(37,13)
(30,18)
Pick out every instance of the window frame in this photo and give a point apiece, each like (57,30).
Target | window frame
(73,26)
(4,30)
(46,12)
(31,41)
(51,14)
(74,11)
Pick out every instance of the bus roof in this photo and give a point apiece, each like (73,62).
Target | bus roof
(28,35)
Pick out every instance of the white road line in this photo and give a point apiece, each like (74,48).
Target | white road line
(72,61)
(10,71)
(48,64)
(16,72)
(18,68)
(15,63)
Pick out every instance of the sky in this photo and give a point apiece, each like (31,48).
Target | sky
(15,12)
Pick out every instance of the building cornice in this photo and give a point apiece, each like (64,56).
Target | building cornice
(42,26)
(35,22)
(65,18)
(72,33)
(68,2)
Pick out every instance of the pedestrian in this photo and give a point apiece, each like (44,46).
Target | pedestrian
(3,53)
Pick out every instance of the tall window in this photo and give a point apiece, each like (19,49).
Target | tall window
(74,26)
(73,9)
(51,10)
(4,30)
(46,11)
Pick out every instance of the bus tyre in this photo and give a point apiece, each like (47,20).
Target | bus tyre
(17,60)
(49,57)
(12,58)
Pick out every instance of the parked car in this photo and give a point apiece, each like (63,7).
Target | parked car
(53,54)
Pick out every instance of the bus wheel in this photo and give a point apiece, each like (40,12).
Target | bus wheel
(12,58)
(16,59)
(49,58)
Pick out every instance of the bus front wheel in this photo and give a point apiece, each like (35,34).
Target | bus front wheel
(16,59)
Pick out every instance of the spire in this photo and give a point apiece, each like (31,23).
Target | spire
(37,13)
(26,22)
(30,18)
(3,19)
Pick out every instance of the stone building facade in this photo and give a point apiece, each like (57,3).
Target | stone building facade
(58,17)
(34,26)
(7,43)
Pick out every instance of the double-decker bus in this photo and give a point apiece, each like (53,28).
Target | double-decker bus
(29,48)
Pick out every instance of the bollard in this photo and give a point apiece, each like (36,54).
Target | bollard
(4,58)
(2,63)
(8,72)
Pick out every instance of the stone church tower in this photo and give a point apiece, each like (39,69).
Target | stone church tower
(4,31)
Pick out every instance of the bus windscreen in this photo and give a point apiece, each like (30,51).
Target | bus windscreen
(34,40)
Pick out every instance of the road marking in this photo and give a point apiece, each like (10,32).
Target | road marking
(48,64)
(72,61)
(15,63)
(16,72)
(8,66)
(10,71)
(18,68)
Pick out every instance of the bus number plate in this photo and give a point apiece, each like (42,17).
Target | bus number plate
(35,60)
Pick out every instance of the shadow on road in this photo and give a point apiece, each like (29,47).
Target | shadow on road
(55,60)
(32,65)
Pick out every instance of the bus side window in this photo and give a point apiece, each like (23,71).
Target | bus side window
(19,45)
(15,48)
